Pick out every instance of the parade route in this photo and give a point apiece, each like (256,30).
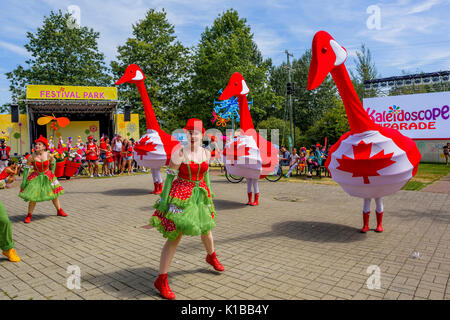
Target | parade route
(301,242)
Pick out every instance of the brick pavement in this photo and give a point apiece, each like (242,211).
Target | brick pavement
(309,248)
(440,186)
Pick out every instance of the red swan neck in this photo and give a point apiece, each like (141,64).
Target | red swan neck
(358,118)
(150,117)
(246,118)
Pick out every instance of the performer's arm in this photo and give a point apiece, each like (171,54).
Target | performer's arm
(26,171)
(53,162)
(206,175)
(172,172)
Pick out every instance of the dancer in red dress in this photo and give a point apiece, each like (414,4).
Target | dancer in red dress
(186,206)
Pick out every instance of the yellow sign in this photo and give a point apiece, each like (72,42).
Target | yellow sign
(70,92)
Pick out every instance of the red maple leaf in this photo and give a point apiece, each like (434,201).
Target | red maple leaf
(142,148)
(235,150)
(363,165)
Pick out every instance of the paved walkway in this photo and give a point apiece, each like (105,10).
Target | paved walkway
(302,242)
(440,186)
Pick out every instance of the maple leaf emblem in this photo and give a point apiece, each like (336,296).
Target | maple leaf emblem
(142,148)
(363,165)
(235,150)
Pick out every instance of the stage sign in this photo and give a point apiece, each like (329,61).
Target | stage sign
(71,92)
(418,116)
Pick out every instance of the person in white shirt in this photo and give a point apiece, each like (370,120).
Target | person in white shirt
(293,162)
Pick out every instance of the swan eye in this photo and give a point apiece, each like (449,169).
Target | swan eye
(324,50)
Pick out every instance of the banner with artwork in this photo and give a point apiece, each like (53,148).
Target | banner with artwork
(417,116)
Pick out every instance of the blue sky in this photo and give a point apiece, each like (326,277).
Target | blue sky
(412,35)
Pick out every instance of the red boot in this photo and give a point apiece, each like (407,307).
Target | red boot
(160,188)
(162,285)
(212,260)
(249,198)
(155,188)
(255,203)
(28,218)
(365,227)
(379,220)
(61,213)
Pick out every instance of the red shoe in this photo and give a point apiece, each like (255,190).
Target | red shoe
(159,189)
(379,220)
(155,188)
(28,218)
(162,285)
(365,227)
(212,260)
(249,198)
(61,213)
(255,203)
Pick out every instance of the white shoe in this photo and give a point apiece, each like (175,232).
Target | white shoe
(92,176)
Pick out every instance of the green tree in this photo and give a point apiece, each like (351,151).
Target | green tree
(61,55)
(224,48)
(283,129)
(308,106)
(365,70)
(332,125)
(166,63)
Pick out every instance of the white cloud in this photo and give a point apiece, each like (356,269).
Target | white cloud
(425,6)
(16,49)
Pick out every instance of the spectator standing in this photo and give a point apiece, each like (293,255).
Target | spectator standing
(127,156)
(92,152)
(4,154)
(109,161)
(104,142)
(446,152)
(117,151)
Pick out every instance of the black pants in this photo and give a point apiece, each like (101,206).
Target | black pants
(311,166)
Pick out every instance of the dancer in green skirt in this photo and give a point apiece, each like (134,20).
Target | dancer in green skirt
(41,184)
(186,205)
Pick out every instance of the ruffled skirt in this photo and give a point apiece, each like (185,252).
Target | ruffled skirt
(190,211)
(41,187)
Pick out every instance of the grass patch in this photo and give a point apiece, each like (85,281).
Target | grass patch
(426,175)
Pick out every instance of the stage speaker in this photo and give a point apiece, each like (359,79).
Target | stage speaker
(127,113)
(14,113)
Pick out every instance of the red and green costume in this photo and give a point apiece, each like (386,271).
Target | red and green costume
(186,204)
(41,184)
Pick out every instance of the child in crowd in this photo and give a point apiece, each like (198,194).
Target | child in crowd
(301,162)
(109,161)
(313,161)
(293,162)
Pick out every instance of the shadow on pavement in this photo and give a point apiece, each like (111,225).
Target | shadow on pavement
(432,214)
(140,279)
(16,219)
(221,204)
(311,231)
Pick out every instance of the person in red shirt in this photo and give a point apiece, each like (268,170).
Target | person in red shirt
(4,154)
(8,174)
(109,161)
(92,152)
(127,156)
(104,142)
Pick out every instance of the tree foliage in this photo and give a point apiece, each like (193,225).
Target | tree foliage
(60,55)
(165,62)
(224,48)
